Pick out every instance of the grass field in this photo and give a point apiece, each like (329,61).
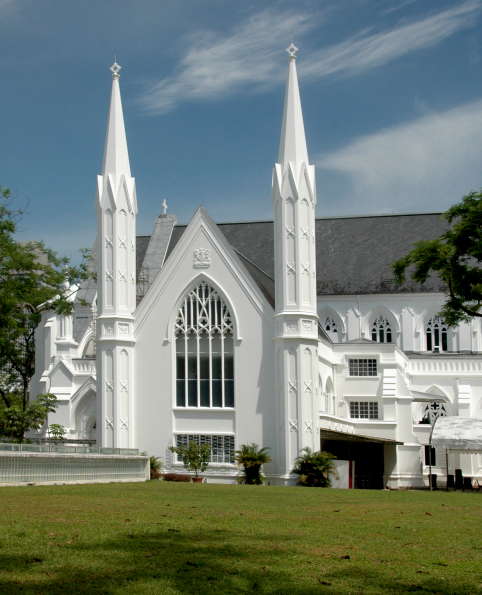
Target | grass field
(161,537)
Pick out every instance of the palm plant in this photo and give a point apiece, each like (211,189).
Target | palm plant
(314,468)
(251,458)
(156,466)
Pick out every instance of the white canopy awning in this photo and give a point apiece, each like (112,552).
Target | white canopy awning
(458,433)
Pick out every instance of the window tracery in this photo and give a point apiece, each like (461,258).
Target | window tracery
(436,335)
(433,411)
(204,350)
(381,330)
(331,328)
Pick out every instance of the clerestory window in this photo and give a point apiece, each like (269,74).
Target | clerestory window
(381,330)
(331,328)
(204,350)
(436,334)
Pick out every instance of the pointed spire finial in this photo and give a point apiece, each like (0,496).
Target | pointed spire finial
(115,69)
(116,156)
(292,50)
(164,207)
(293,142)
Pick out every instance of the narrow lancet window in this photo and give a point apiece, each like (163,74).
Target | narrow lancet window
(436,335)
(204,350)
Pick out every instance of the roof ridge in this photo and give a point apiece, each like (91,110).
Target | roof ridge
(251,221)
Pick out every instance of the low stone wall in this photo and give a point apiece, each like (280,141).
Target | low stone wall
(20,468)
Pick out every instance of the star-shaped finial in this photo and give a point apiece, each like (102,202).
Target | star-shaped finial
(115,69)
(292,50)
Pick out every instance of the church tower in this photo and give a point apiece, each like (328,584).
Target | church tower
(116,283)
(296,319)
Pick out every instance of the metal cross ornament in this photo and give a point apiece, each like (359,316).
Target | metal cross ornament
(292,50)
(115,69)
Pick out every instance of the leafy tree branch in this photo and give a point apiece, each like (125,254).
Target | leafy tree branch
(456,257)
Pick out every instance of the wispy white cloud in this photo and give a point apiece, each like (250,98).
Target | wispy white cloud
(426,164)
(365,52)
(248,56)
(216,64)
(398,6)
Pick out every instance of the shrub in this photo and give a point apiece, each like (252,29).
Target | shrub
(195,457)
(251,458)
(56,432)
(314,468)
(176,477)
(156,466)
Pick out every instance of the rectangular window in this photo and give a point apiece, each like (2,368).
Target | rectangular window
(364,409)
(222,447)
(363,367)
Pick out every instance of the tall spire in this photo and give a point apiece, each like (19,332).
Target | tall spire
(116,156)
(292,146)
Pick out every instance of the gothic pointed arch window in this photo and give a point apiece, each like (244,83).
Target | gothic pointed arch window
(381,330)
(204,350)
(436,334)
(331,328)
(433,411)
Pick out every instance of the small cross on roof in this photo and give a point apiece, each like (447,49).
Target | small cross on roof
(292,50)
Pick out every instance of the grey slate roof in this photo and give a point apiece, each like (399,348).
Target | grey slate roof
(354,254)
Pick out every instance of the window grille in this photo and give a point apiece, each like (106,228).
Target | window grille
(436,334)
(433,411)
(364,409)
(204,350)
(331,328)
(381,330)
(363,367)
(222,446)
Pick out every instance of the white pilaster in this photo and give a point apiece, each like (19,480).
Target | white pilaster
(296,320)
(116,283)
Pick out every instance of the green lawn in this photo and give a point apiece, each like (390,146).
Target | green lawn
(161,537)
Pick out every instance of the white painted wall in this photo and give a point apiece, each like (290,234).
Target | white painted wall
(253,417)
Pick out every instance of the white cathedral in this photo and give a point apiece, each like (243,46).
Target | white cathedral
(287,333)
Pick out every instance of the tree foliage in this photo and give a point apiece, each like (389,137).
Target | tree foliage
(456,257)
(17,418)
(32,279)
(194,456)
(251,458)
(56,432)
(314,468)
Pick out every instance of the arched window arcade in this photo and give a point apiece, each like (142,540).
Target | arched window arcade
(204,350)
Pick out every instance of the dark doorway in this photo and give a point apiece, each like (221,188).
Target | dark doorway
(368,457)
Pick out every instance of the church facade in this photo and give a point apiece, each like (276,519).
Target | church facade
(287,333)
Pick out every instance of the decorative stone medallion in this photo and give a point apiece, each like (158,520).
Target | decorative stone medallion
(201,258)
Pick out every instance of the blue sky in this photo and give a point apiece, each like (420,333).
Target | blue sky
(391,91)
